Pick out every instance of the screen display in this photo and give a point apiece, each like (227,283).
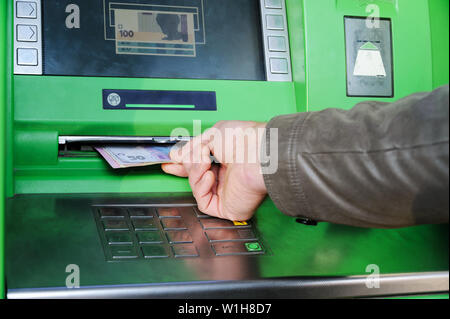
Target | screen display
(200,39)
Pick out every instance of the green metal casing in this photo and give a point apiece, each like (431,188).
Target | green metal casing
(35,110)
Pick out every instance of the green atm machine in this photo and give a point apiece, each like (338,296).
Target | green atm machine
(79,73)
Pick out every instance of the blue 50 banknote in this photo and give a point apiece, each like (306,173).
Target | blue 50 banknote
(122,156)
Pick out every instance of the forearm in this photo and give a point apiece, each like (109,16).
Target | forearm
(377,165)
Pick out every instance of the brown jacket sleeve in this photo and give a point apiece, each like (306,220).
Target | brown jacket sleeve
(377,165)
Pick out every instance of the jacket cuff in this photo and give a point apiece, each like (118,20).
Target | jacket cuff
(278,164)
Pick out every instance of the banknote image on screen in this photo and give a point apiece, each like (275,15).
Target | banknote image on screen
(152,32)
(205,39)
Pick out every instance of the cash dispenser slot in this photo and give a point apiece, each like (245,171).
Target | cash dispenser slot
(83,146)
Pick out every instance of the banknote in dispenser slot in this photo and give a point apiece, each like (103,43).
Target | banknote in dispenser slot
(121,151)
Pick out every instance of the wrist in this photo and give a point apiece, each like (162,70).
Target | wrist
(253,171)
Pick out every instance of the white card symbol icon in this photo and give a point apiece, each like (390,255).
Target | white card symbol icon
(369,61)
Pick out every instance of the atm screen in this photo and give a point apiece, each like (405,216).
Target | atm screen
(203,39)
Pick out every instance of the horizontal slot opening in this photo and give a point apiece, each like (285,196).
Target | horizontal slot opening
(84,146)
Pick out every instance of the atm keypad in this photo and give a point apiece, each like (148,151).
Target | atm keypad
(148,233)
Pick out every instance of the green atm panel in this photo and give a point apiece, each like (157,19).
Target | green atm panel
(137,232)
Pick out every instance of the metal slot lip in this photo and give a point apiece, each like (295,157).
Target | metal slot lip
(62,140)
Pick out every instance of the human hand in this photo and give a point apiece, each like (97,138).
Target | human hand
(233,189)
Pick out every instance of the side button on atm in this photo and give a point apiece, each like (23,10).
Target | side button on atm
(277,44)
(26,9)
(26,33)
(273,4)
(26,56)
(279,65)
(275,22)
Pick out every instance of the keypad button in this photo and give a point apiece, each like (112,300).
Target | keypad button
(277,44)
(173,224)
(184,251)
(199,214)
(154,251)
(168,212)
(279,65)
(150,237)
(141,211)
(111,212)
(273,4)
(27,56)
(26,9)
(119,238)
(275,22)
(144,223)
(26,33)
(229,234)
(123,251)
(209,223)
(235,248)
(179,236)
(115,224)
(253,247)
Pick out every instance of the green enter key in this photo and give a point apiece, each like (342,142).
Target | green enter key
(254,246)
